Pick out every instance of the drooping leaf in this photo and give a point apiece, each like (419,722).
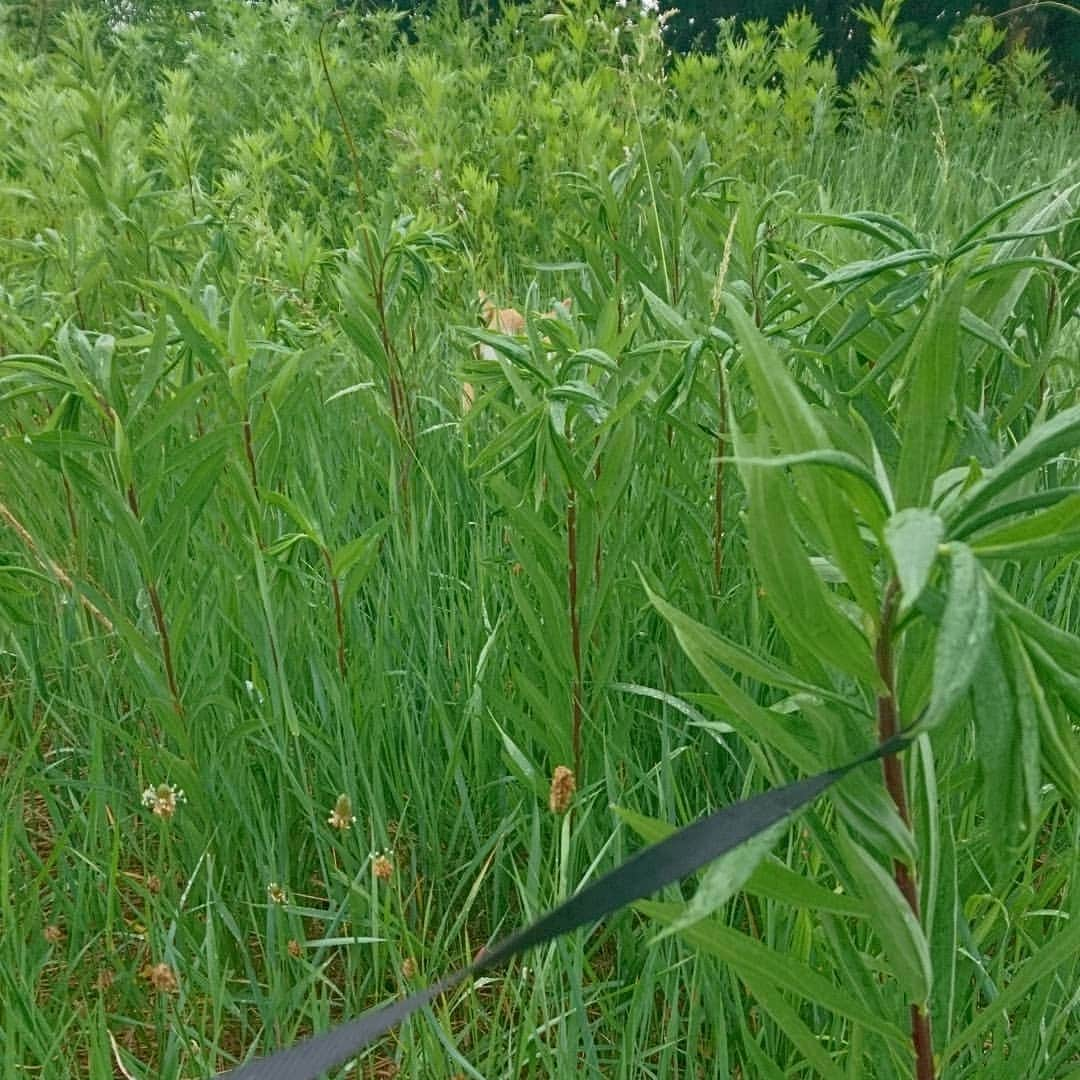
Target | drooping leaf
(1059,749)
(711,643)
(901,935)
(732,703)
(829,459)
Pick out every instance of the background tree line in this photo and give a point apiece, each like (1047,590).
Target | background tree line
(926,24)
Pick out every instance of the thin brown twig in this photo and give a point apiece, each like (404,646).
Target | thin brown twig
(53,568)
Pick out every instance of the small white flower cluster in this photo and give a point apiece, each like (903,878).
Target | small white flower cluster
(342,817)
(163,799)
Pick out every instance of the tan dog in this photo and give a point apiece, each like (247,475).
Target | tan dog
(507,321)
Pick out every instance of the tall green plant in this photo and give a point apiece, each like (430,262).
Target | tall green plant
(889,566)
(559,467)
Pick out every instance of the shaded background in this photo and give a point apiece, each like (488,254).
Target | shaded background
(924,22)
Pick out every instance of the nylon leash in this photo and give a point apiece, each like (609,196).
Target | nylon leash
(643,874)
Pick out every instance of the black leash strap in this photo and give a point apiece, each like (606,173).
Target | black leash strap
(641,875)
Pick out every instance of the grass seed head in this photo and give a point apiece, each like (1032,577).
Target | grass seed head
(162,978)
(563,786)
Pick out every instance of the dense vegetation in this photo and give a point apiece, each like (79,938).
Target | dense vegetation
(294,635)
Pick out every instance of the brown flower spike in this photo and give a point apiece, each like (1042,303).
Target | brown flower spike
(563,786)
(162,978)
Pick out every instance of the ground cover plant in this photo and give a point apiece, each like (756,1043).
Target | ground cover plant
(295,638)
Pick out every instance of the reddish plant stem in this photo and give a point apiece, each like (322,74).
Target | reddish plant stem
(162,627)
(166,647)
(888,726)
(575,627)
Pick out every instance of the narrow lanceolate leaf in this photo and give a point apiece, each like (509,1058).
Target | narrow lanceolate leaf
(913,537)
(867,268)
(929,403)
(1012,508)
(964,632)
(752,721)
(1057,740)
(901,935)
(770,879)
(349,554)
(1062,948)
(1004,752)
(724,878)
(716,647)
(667,318)
(1059,435)
(751,957)
(1059,644)
(1050,532)
(829,459)
(805,610)
(798,430)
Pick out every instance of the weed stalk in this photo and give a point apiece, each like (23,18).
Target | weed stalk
(158,612)
(888,725)
(399,401)
(575,627)
(339,619)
